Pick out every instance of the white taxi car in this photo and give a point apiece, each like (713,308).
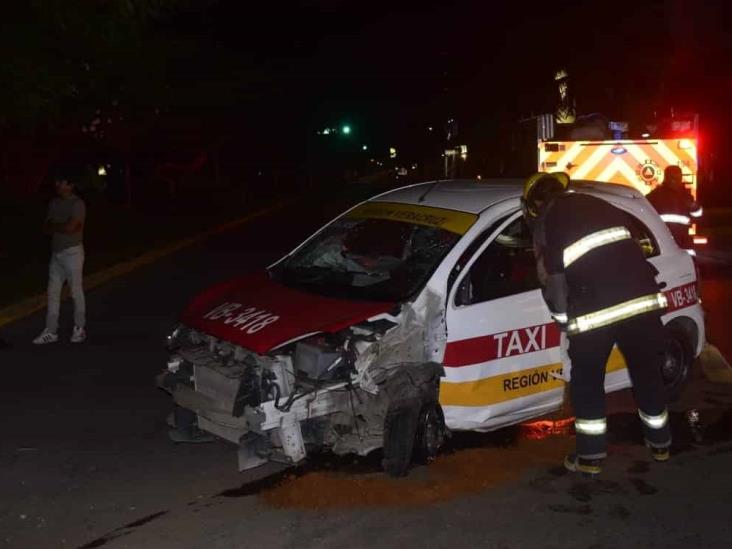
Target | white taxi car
(413,313)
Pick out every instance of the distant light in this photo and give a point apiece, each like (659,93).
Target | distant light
(700,240)
(346,129)
(685,144)
(414,166)
(619,150)
(102,170)
(645,135)
(479,176)
(326,131)
(392,152)
(429,128)
(364,148)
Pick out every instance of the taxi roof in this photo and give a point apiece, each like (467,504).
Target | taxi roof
(475,195)
(465,195)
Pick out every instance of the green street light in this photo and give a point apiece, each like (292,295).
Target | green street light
(346,129)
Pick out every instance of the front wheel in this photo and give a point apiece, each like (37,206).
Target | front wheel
(431,433)
(414,425)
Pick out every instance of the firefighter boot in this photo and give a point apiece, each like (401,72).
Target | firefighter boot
(587,467)
(660,454)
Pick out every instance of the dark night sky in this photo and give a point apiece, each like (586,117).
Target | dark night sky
(278,71)
(388,66)
(408,57)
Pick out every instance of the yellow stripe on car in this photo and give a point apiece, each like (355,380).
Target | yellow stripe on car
(511,385)
(449,220)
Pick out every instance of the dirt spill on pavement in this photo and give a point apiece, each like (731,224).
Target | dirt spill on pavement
(466,470)
(474,462)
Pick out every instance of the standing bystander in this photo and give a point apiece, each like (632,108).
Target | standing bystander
(65,224)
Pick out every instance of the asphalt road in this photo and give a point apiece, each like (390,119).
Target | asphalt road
(85,460)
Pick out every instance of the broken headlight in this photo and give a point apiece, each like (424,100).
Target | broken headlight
(177,338)
(321,357)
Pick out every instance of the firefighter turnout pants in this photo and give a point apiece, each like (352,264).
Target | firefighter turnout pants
(641,340)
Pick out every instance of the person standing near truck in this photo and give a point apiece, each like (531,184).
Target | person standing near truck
(675,205)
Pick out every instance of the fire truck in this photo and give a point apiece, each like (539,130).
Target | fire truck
(596,149)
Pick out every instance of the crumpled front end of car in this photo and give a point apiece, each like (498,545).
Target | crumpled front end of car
(328,390)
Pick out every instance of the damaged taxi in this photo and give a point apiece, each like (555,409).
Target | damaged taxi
(412,314)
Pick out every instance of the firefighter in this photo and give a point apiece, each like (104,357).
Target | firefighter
(675,205)
(601,291)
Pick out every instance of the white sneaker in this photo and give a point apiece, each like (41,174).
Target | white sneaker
(78,335)
(45,337)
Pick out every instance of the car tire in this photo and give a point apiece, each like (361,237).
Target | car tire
(431,433)
(413,394)
(677,361)
(400,427)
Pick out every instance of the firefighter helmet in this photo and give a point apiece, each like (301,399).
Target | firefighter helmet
(534,193)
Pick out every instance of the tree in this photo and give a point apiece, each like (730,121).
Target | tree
(63,60)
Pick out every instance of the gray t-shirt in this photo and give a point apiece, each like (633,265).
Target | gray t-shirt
(62,210)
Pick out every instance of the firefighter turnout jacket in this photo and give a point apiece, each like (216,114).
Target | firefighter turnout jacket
(590,264)
(678,209)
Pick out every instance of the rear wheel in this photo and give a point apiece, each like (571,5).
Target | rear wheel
(677,359)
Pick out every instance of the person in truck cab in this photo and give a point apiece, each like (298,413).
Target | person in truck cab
(601,291)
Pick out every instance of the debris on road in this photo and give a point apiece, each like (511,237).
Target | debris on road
(715,367)
(467,471)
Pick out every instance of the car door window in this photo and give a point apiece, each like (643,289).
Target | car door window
(505,267)
(643,236)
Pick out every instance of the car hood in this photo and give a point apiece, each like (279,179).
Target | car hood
(261,314)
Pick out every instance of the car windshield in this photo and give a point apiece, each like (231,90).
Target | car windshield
(379,252)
